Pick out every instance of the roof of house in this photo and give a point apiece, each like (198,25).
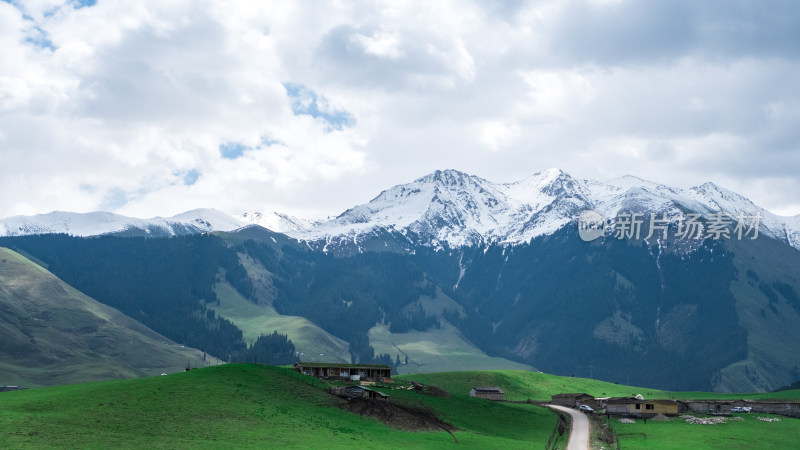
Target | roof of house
(341,365)
(774,400)
(624,400)
(364,388)
(572,395)
(488,389)
(630,400)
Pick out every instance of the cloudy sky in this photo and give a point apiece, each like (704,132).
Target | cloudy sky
(152,108)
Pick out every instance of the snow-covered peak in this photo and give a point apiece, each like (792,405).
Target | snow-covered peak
(548,183)
(448,177)
(446,207)
(721,198)
(208,219)
(98,223)
(276,221)
(629,181)
(454,208)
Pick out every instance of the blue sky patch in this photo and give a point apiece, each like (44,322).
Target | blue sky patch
(191,177)
(232,150)
(267,140)
(40,39)
(307,102)
(84,3)
(41,42)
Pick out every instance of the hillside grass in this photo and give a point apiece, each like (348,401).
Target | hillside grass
(789,395)
(773,337)
(540,387)
(676,433)
(245,405)
(438,349)
(672,434)
(256,319)
(522,385)
(52,334)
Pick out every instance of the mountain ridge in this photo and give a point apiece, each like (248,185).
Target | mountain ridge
(100,222)
(455,209)
(446,208)
(54,334)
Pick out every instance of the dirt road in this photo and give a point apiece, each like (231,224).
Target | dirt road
(579,434)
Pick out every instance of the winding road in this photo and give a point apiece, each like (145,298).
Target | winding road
(579,434)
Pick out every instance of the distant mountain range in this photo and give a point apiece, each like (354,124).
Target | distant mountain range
(99,223)
(445,208)
(453,271)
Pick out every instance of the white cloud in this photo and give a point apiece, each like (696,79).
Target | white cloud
(380,43)
(113,105)
(498,134)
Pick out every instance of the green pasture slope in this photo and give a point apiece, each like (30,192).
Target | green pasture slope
(672,434)
(677,434)
(245,405)
(539,387)
(522,385)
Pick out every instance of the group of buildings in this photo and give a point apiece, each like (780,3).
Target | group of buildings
(625,406)
(352,372)
(370,373)
(639,407)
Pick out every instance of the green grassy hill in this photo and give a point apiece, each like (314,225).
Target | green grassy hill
(52,334)
(256,319)
(440,349)
(245,405)
(521,385)
(674,433)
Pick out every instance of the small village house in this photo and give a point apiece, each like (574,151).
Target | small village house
(632,406)
(487,392)
(359,392)
(782,407)
(711,406)
(573,400)
(355,372)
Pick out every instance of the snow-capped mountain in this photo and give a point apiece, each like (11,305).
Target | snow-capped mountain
(447,207)
(276,221)
(453,208)
(98,223)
